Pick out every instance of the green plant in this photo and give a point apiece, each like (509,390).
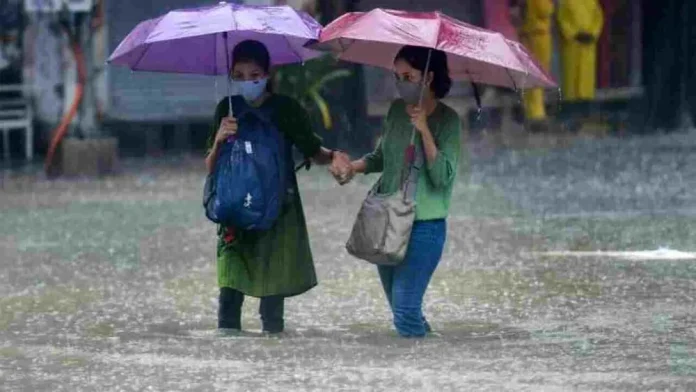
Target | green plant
(305,82)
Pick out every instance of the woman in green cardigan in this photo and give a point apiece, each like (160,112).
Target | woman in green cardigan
(277,263)
(438,137)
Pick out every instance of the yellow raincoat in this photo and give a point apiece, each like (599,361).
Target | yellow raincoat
(535,34)
(579,60)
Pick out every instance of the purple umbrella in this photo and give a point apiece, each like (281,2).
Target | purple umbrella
(199,40)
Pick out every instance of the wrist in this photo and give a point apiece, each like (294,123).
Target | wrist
(334,153)
(337,155)
(358,166)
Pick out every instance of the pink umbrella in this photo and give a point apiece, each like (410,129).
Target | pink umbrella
(528,61)
(474,53)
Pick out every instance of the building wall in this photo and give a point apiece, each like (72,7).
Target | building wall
(49,69)
(136,96)
(43,69)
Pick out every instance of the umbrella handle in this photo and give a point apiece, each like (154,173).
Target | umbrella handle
(230,112)
(422,92)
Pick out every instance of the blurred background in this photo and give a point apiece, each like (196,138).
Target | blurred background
(570,254)
(637,85)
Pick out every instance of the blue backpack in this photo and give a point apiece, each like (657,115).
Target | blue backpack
(248,187)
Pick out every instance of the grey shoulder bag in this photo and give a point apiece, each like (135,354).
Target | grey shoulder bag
(382,230)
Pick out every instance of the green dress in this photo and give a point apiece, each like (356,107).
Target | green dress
(278,261)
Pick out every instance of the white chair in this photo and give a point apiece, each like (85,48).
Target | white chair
(16,114)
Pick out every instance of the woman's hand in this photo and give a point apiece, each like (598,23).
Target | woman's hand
(419,118)
(341,168)
(228,127)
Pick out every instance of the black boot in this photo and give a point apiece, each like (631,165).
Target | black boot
(230,309)
(272,309)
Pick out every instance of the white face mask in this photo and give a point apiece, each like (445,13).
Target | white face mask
(409,91)
(251,90)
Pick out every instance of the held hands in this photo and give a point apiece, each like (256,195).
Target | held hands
(341,168)
(228,127)
(419,118)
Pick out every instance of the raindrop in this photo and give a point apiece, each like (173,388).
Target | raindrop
(217,89)
(559,102)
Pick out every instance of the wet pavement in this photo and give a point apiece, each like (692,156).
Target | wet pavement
(110,284)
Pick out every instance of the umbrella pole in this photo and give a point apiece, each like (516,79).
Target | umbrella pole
(422,92)
(410,152)
(230,112)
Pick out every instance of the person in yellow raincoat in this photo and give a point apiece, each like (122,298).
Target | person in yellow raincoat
(580,23)
(535,34)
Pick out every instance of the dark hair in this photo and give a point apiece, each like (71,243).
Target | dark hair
(252,52)
(417,57)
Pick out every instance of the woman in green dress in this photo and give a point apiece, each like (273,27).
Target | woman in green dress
(275,264)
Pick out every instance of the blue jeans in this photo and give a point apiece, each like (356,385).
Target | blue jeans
(405,284)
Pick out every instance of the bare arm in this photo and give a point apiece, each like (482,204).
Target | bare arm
(373,162)
(212,157)
(323,157)
(344,170)
(359,166)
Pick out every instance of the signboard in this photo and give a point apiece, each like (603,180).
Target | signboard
(57,5)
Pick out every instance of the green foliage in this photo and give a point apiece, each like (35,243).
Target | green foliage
(306,82)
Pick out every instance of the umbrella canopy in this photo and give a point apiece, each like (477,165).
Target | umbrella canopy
(200,40)
(475,54)
(530,63)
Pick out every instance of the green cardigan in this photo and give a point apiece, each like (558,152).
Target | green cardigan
(435,182)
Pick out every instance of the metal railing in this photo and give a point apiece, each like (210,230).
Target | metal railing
(16,115)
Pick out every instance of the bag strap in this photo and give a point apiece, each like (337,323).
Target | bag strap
(410,184)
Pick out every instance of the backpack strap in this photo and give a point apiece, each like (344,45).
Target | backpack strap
(242,108)
(306,164)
